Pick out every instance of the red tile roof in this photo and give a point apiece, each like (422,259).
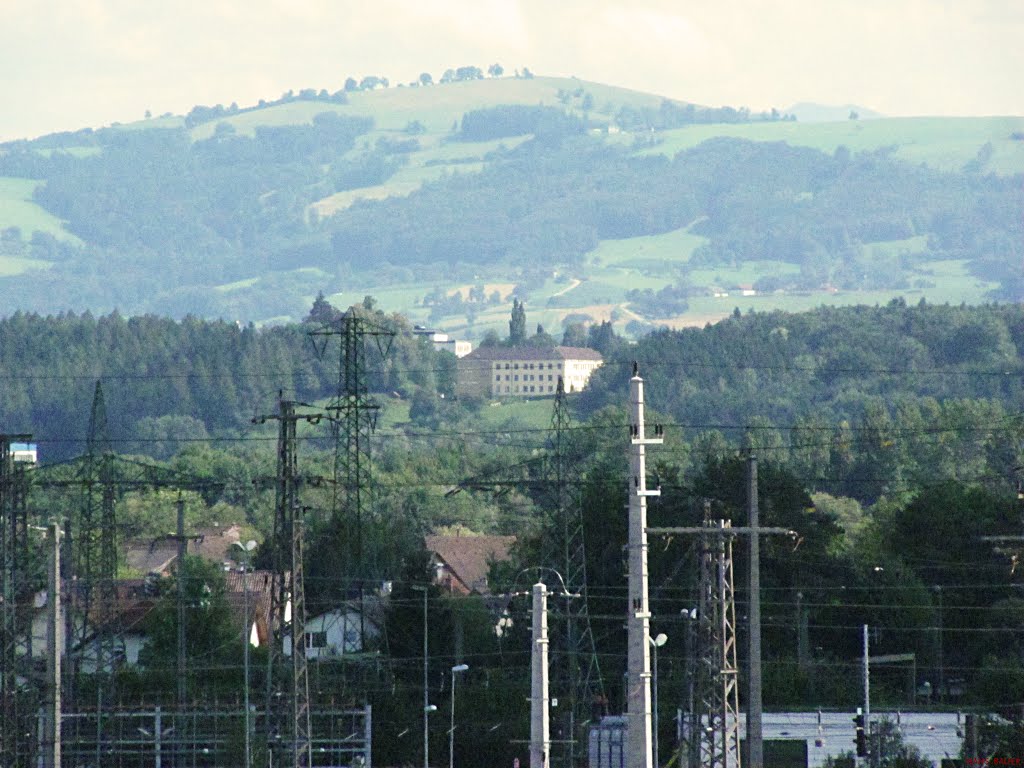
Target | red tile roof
(467,559)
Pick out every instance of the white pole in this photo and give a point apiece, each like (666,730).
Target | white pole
(867,689)
(451,730)
(245,663)
(540,727)
(867,678)
(246,549)
(426,682)
(638,623)
(54,642)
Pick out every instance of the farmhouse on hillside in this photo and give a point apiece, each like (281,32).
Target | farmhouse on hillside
(525,371)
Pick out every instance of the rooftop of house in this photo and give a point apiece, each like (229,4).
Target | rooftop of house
(467,559)
(214,543)
(533,353)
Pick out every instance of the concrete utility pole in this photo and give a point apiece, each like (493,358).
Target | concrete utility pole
(54,654)
(638,624)
(755,751)
(426,678)
(540,725)
(867,681)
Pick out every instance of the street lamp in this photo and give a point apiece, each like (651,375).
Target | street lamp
(246,551)
(656,643)
(451,731)
(427,707)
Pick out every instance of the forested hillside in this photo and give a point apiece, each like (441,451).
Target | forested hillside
(168,383)
(862,401)
(247,214)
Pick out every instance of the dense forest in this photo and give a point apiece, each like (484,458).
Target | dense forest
(174,380)
(164,221)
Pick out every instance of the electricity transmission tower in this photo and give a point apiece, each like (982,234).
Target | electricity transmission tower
(288,713)
(16,730)
(93,544)
(353,418)
(577,672)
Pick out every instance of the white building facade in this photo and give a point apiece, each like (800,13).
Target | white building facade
(526,371)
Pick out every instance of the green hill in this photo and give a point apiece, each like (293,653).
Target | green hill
(587,200)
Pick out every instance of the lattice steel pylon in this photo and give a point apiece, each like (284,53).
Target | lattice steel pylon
(93,543)
(288,713)
(16,707)
(353,417)
(717,671)
(576,673)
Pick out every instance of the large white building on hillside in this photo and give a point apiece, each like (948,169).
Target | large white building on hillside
(525,371)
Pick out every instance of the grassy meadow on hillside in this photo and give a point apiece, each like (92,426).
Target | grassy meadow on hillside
(947,143)
(17,209)
(299,225)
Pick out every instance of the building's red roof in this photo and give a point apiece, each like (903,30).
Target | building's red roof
(467,560)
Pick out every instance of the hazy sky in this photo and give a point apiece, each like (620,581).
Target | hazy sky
(67,64)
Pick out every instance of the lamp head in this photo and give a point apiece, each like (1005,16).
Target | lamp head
(460,667)
(430,708)
(660,640)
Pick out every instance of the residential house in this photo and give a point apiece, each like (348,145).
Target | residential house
(213,543)
(462,563)
(525,371)
(131,603)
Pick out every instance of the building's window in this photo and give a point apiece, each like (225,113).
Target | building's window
(506,366)
(506,377)
(550,377)
(506,389)
(516,377)
(516,366)
(551,389)
(498,377)
(316,639)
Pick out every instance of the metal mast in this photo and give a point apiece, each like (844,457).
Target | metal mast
(288,686)
(718,674)
(577,671)
(94,548)
(353,417)
(15,635)
(638,623)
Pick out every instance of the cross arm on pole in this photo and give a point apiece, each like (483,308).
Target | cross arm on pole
(706,530)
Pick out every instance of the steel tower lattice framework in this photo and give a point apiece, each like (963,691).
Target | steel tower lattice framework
(288,713)
(94,543)
(353,416)
(577,672)
(717,673)
(15,633)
